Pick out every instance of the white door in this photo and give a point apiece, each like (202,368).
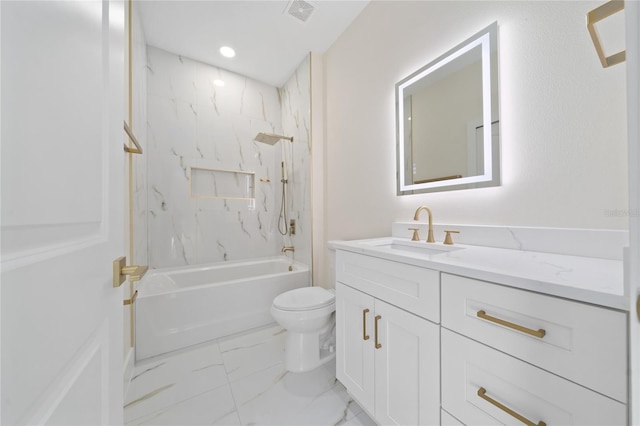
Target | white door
(62,166)
(632,16)
(354,344)
(407,368)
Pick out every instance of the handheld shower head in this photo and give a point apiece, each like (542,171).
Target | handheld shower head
(270,138)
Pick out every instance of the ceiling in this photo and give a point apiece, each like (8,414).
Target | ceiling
(269,42)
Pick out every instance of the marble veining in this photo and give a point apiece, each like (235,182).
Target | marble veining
(238,380)
(588,279)
(597,243)
(193,123)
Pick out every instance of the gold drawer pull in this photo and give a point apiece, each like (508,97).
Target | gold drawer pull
(537,333)
(482,394)
(364,324)
(377,318)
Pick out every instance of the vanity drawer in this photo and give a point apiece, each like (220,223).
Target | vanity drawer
(480,385)
(409,287)
(584,343)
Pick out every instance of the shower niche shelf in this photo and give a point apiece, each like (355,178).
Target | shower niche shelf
(220,183)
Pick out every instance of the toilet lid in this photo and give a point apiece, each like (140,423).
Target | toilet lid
(304,298)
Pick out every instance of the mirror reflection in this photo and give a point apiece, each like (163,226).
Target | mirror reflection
(448,120)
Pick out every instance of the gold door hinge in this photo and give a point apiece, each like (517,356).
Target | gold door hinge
(121,270)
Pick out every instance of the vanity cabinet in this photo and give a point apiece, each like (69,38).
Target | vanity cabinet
(508,352)
(387,357)
(418,346)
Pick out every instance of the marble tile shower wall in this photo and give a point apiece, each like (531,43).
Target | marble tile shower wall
(296,115)
(194,123)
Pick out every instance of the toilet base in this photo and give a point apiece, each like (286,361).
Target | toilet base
(303,353)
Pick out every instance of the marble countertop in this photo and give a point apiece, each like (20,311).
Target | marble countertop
(586,279)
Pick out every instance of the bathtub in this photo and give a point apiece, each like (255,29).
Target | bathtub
(184,306)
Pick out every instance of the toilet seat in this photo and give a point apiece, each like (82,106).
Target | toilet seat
(304,299)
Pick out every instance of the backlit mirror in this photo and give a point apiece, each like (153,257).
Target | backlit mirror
(448,120)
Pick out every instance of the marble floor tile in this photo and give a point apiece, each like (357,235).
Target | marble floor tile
(165,381)
(214,407)
(361,419)
(277,397)
(248,353)
(238,380)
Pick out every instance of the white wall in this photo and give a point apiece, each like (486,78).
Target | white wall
(563,139)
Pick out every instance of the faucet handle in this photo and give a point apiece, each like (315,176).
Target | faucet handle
(447,239)
(416,236)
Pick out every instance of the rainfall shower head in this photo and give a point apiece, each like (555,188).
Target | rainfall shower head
(270,138)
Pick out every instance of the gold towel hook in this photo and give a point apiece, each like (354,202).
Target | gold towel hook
(138,148)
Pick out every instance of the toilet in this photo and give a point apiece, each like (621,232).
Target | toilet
(308,316)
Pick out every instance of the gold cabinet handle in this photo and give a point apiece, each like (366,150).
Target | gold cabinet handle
(377,318)
(482,393)
(364,324)
(537,333)
(132,300)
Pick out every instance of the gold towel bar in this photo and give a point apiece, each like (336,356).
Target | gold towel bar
(598,14)
(482,394)
(132,300)
(537,333)
(138,148)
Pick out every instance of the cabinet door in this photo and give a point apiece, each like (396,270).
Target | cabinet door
(354,344)
(407,368)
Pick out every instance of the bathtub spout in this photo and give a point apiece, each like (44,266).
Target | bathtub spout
(285,249)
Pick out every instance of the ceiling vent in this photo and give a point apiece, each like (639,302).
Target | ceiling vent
(300,9)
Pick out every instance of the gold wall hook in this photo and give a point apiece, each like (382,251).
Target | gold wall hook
(132,138)
(132,300)
(121,270)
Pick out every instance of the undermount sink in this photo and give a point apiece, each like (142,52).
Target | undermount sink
(419,247)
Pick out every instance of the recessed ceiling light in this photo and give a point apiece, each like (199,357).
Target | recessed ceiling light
(227,52)
(218,83)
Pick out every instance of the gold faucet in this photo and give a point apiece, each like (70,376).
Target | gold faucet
(416,216)
(285,249)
